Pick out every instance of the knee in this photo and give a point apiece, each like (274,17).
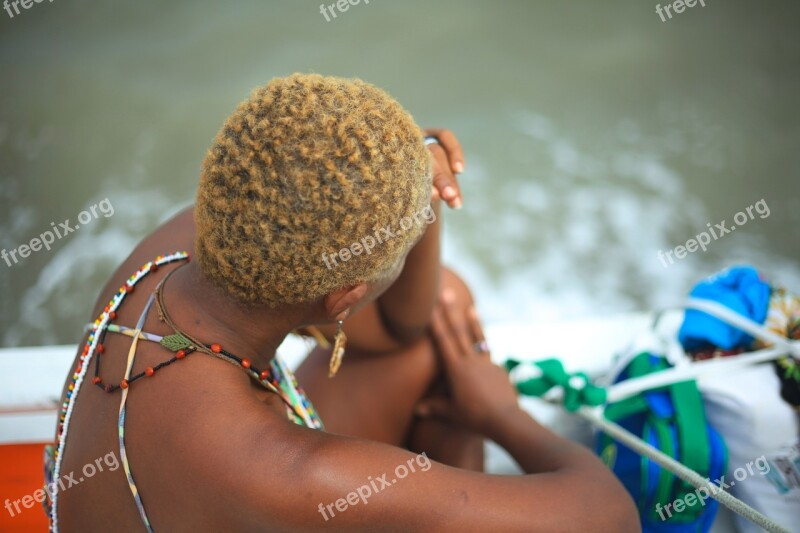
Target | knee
(452,282)
(419,362)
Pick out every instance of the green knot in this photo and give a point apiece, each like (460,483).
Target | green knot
(578,390)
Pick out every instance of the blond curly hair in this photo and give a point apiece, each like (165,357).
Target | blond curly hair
(303,168)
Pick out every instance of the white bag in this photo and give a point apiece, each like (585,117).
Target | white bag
(759,428)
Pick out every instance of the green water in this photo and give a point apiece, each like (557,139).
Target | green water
(596,135)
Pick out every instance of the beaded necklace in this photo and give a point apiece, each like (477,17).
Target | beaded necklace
(278,378)
(272,378)
(94,345)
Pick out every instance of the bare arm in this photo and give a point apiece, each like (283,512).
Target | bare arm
(406,306)
(297,479)
(576,494)
(309,480)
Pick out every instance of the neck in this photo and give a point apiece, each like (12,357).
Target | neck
(206,313)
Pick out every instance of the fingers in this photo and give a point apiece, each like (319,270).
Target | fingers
(433,407)
(444,181)
(448,160)
(457,320)
(434,194)
(452,147)
(447,345)
(477,332)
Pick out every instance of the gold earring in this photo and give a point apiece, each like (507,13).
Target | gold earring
(337,354)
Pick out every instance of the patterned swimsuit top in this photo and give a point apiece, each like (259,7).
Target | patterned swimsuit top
(278,378)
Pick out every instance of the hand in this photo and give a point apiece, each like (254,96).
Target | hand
(480,391)
(448,161)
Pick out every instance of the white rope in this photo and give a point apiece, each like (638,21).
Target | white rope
(782,347)
(733,318)
(687,474)
(631,387)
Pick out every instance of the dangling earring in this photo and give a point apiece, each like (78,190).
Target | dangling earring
(338,351)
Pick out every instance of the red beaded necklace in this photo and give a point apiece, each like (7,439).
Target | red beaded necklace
(182,344)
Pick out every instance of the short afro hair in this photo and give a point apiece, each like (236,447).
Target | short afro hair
(305,167)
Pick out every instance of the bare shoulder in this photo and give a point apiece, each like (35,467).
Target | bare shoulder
(291,478)
(175,234)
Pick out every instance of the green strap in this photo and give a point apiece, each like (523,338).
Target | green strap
(690,421)
(625,408)
(690,424)
(578,390)
(666,480)
(642,365)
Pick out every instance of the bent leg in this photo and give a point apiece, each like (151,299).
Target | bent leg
(373,396)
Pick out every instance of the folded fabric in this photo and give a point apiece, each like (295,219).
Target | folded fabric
(783,318)
(742,290)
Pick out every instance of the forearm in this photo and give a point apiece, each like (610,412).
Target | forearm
(577,473)
(536,448)
(406,306)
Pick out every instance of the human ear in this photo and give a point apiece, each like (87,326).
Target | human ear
(339,302)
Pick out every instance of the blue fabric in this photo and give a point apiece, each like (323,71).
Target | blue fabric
(660,403)
(742,290)
(672,524)
(629,466)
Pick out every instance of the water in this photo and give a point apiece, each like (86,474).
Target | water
(596,135)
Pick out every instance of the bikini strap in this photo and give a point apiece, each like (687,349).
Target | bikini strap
(122,412)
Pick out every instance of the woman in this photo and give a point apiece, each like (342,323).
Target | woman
(315,208)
